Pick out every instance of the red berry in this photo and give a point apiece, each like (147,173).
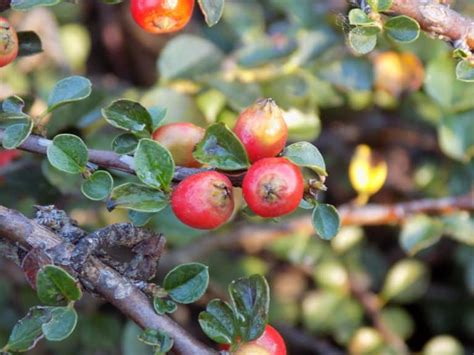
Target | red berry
(273,187)
(8,43)
(6,156)
(262,130)
(269,343)
(203,200)
(180,139)
(162,16)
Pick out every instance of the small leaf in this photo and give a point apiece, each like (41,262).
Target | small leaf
(154,164)
(326,221)
(380,5)
(139,219)
(465,71)
(138,198)
(128,115)
(186,283)
(306,155)
(68,153)
(250,301)
(27,331)
(361,43)
(218,322)
(221,148)
(359,17)
(73,88)
(164,306)
(420,232)
(16,133)
(54,285)
(98,186)
(402,28)
(13,104)
(23,5)
(29,43)
(125,143)
(212,10)
(62,323)
(157,338)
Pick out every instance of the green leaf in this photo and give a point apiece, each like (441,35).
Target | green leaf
(465,71)
(138,198)
(17,132)
(29,43)
(186,283)
(218,322)
(68,153)
(73,88)
(212,10)
(419,232)
(188,56)
(164,306)
(24,5)
(140,219)
(157,116)
(154,164)
(27,331)
(455,136)
(98,186)
(157,338)
(402,29)
(54,285)
(399,321)
(380,5)
(360,43)
(125,143)
(406,281)
(250,301)
(13,104)
(306,155)
(128,115)
(326,221)
(359,17)
(439,81)
(221,148)
(62,324)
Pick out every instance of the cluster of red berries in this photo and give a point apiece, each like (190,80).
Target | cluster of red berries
(272,186)
(8,43)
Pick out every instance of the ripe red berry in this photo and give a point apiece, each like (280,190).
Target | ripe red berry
(180,139)
(203,200)
(269,343)
(262,130)
(162,16)
(8,43)
(6,156)
(273,187)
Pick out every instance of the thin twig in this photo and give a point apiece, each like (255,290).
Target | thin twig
(107,282)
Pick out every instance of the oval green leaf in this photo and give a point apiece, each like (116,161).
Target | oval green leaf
(125,143)
(164,306)
(138,198)
(62,323)
(218,322)
(186,283)
(128,115)
(402,29)
(73,88)
(98,186)
(16,133)
(326,221)
(306,155)
(465,71)
(54,286)
(68,153)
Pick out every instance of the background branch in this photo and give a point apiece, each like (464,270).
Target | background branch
(106,281)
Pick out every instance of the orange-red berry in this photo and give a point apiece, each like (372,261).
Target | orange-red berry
(8,42)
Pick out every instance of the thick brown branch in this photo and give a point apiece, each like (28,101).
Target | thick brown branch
(110,160)
(114,287)
(438,19)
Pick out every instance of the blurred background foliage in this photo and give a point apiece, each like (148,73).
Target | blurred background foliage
(401,101)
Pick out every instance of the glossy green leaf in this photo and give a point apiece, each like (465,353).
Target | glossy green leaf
(24,5)
(420,232)
(27,331)
(187,283)
(154,164)
(12,108)
(16,133)
(138,198)
(250,301)
(68,153)
(128,115)
(73,88)
(380,5)
(54,286)
(221,148)
(62,323)
(160,340)
(29,43)
(218,322)
(326,221)
(212,10)
(307,155)
(125,143)
(163,306)
(465,71)
(402,29)
(98,186)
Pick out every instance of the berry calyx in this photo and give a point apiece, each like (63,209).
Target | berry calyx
(269,343)
(203,200)
(162,16)
(8,43)
(273,187)
(180,139)
(262,130)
